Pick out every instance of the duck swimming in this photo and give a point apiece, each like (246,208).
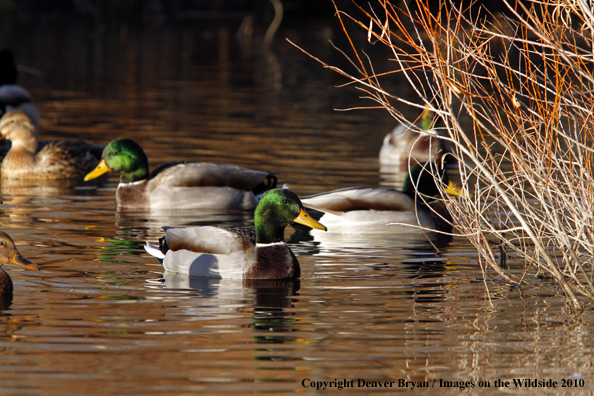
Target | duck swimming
(239,253)
(52,160)
(370,210)
(10,255)
(179,185)
(417,143)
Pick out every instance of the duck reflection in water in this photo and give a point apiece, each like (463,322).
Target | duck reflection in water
(267,298)
(263,292)
(149,222)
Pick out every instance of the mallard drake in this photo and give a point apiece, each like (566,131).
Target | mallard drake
(13,96)
(29,160)
(179,185)
(239,253)
(417,143)
(370,210)
(10,255)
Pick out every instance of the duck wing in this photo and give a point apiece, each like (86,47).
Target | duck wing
(208,251)
(66,158)
(211,239)
(95,149)
(199,174)
(360,198)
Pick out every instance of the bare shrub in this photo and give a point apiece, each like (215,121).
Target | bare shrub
(516,95)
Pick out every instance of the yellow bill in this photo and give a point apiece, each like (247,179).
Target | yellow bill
(101,169)
(457,191)
(307,220)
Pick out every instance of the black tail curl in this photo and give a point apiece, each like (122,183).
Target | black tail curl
(267,184)
(163,247)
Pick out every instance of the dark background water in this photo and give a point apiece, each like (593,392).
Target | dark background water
(97,319)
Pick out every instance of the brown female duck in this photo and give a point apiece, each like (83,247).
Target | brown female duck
(10,255)
(29,160)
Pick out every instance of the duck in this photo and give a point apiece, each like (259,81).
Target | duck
(416,143)
(13,96)
(363,210)
(10,255)
(179,185)
(239,253)
(28,159)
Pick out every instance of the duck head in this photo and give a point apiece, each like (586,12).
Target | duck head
(17,127)
(124,156)
(277,209)
(10,255)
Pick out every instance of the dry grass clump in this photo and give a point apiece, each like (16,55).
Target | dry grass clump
(522,85)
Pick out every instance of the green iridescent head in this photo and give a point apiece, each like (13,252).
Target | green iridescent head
(277,209)
(124,156)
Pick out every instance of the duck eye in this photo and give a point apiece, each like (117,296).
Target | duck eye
(285,202)
(113,153)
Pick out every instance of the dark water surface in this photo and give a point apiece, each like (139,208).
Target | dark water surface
(98,319)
